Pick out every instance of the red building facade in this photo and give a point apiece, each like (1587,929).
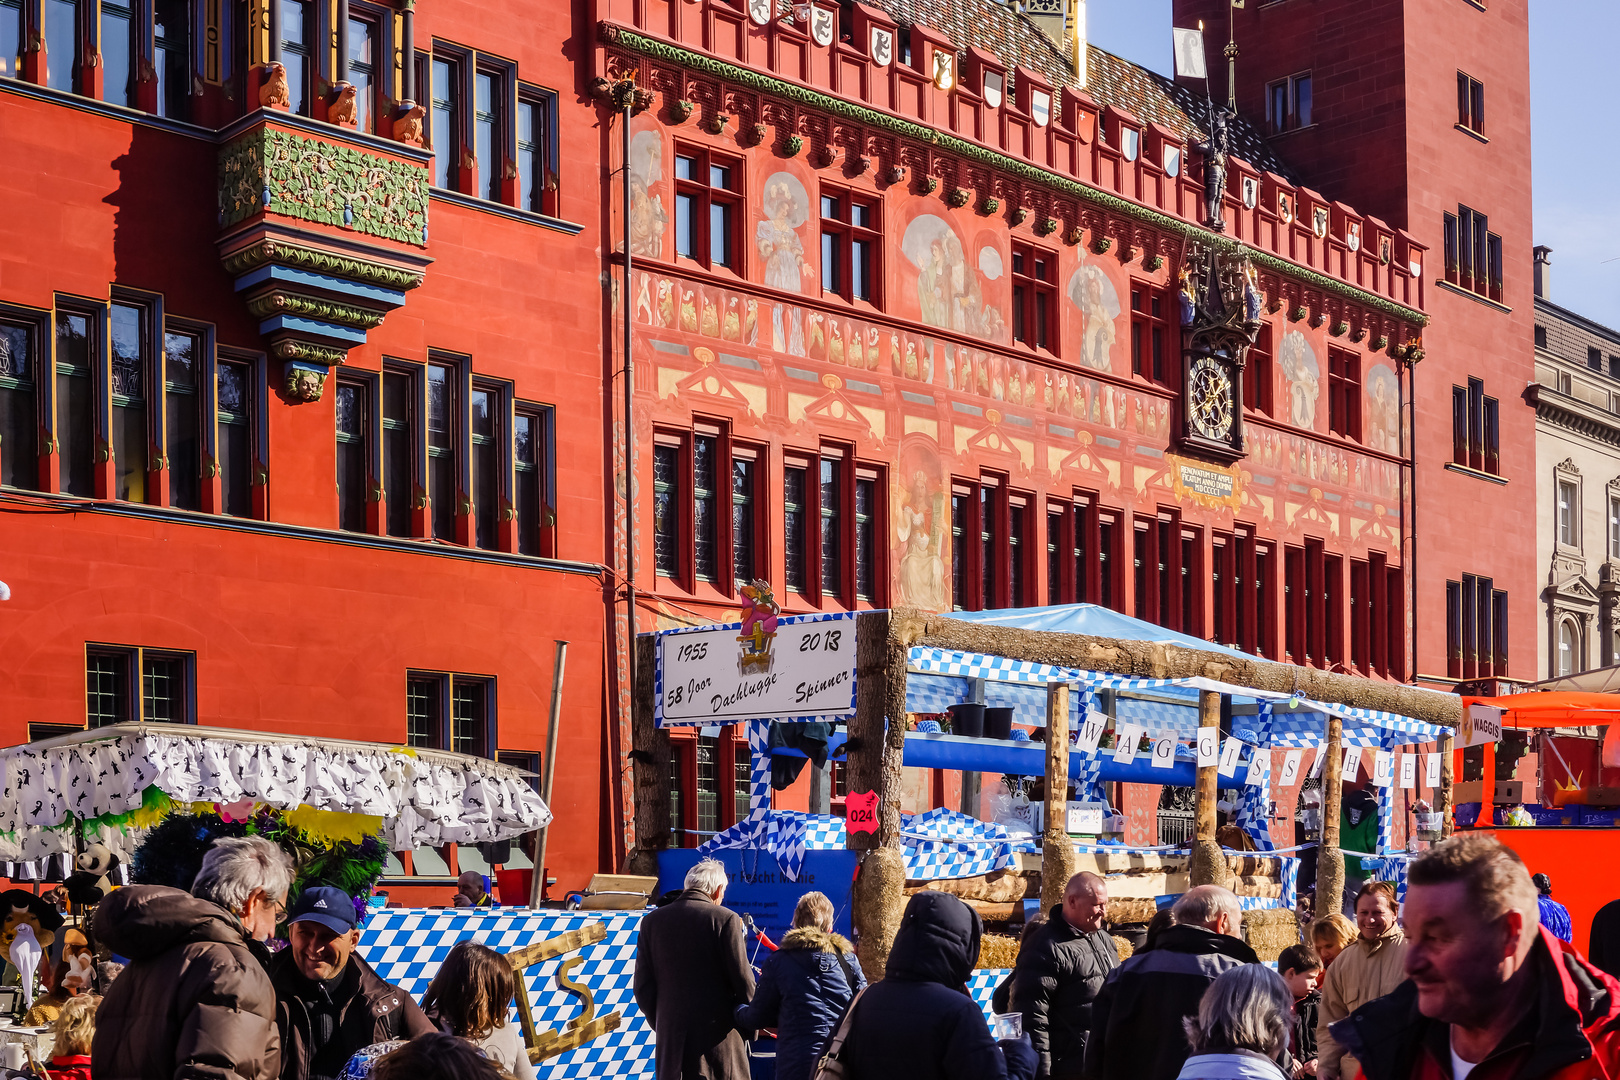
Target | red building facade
(1421,115)
(303,386)
(906,319)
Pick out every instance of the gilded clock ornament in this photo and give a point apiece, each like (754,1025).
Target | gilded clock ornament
(1210,397)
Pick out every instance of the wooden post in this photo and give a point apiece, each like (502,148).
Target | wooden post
(1207,865)
(1057,853)
(1329,859)
(877,741)
(649,755)
(1444,798)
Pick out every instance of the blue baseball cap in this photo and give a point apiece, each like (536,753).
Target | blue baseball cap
(330,907)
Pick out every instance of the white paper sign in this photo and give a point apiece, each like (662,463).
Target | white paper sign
(1259,768)
(1317,763)
(713,676)
(1431,771)
(1352,763)
(1290,769)
(1408,770)
(1164,752)
(1383,768)
(1091,732)
(1230,752)
(1126,737)
(1209,747)
(1481,724)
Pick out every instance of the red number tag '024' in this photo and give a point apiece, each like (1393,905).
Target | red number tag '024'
(860,811)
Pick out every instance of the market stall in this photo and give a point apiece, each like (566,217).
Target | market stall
(1564,822)
(1133,720)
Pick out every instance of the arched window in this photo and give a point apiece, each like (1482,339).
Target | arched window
(1569,640)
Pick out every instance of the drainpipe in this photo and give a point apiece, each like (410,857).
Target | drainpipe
(629,392)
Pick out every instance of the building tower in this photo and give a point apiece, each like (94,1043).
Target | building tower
(1418,111)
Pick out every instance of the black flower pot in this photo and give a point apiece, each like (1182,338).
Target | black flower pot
(998,723)
(968,719)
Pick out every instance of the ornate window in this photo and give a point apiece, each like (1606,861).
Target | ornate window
(1475,431)
(1570,658)
(187,359)
(708,207)
(63,63)
(1034,289)
(1567,505)
(851,244)
(22,338)
(353,454)
(11,38)
(238,396)
(299,50)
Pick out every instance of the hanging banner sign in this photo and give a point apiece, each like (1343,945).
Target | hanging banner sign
(1126,736)
(1164,752)
(1318,762)
(1229,756)
(1431,771)
(1352,763)
(1408,770)
(1481,724)
(1259,767)
(1209,747)
(764,668)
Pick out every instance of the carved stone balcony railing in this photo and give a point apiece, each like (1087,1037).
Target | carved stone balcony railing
(324,231)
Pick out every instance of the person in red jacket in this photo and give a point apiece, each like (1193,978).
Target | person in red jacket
(1490,994)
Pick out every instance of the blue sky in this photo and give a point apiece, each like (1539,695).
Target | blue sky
(1575,155)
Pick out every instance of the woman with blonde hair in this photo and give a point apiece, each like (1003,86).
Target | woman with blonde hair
(471,997)
(1331,936)
(75,1029)
(804,988)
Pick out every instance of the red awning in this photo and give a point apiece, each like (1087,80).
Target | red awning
(1553,708)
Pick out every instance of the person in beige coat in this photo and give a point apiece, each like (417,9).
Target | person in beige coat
(1370,967)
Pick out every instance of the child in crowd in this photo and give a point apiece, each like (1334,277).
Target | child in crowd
(75,1028)
(1301,969)
(1331,936)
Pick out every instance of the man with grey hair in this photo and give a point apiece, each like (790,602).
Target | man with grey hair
(691,973)
(1490,993)
(195,1000)
(1060,969)
(1137,1030)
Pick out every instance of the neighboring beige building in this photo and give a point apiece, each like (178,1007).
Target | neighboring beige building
(1577,400)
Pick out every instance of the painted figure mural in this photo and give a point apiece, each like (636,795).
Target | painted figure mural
(648,219)
(950,290)
(786,207)
(921,528)
(1297,362)
(1383,409)
(1095,296)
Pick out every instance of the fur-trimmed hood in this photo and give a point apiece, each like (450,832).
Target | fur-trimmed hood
(814,939)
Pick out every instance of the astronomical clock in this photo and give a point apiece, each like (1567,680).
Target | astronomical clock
(1220,308)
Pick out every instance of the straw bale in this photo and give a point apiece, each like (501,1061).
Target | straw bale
(1271,890)
(1123,947)
(1270,931)
(1000,887)
(877,903)
(1254,866)
(996,952)
(1158,660)
(1121,912)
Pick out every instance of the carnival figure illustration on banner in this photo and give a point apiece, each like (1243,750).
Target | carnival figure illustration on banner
(1298,364)
(648,219)
(1383,409)
(1093,294)
(786,207)
(921,523)
(760,612)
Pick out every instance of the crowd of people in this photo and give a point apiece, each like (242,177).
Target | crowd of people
(202,995)
(1463,981)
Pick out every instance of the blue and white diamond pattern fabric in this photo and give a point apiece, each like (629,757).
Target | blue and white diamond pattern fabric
(1254,805)
(941,844)
(1392,868)
(406,947)
(1386,818)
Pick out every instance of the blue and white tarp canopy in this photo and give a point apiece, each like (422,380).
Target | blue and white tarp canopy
(938,678)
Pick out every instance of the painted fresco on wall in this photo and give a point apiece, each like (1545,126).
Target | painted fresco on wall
(648,218)
(786,207)
(1094,295)
(955,281)
(921,519)
(1297,361)
(1383,421)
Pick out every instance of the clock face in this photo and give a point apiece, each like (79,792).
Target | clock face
(1210,398)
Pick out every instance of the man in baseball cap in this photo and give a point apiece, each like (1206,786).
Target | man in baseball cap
(329,1002)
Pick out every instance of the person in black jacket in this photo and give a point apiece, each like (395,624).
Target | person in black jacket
(918,1021)
(1603,946)
(1136,1021)
(804,988)
(1301,970)
(1060,969)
